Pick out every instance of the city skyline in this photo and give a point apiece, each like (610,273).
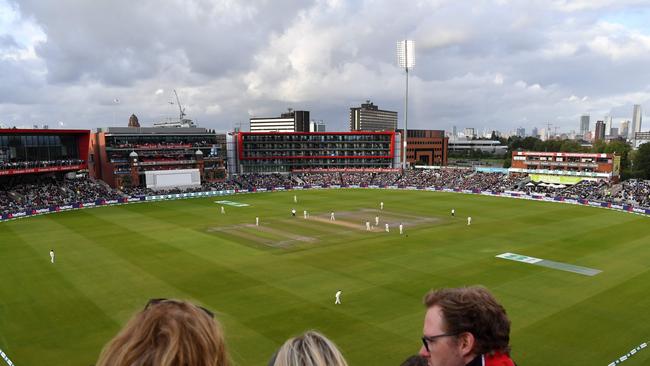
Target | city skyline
(497,65)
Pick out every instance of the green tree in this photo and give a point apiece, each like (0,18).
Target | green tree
(599,146)
(571,146)
(622,149)
(642,161)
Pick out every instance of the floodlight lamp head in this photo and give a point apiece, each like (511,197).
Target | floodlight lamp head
(406,54)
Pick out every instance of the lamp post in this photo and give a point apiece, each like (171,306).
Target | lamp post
(406,60)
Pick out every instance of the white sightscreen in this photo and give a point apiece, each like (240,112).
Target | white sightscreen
(164,179)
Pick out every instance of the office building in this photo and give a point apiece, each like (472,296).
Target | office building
(369,117)
(600,131)
(521,132)
(317,126)
(625,129)
(584,124)
(262,152)
(636,121)
(426,147)
(292,121)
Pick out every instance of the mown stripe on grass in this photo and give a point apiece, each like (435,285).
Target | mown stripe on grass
(46,315)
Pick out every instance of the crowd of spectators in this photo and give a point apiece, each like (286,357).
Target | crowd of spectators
(9,165)
(357,178)
(440,178)
(319,179)
(493,182)
(48,192)
(634,191)
(204,187)
(163,144)
(586,190)
(385,179)
(268,180)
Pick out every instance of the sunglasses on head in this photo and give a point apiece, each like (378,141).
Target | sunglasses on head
(154,302)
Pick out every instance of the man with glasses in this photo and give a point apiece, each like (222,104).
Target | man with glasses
(465,327)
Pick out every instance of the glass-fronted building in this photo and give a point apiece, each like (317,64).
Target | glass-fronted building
(28,151)
(276,152)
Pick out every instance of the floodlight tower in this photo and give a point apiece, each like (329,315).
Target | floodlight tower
(406,60)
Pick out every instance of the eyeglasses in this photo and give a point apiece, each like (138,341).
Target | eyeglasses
(153,302)
(427,339)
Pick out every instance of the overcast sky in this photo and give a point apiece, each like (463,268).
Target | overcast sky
(485,64)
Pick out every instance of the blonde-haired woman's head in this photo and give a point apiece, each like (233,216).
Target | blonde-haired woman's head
(168,333)
(309,349)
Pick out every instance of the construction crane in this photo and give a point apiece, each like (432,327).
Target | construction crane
(180,106)
(182,121)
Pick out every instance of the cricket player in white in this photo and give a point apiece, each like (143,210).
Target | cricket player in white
(293,212)
(52,256)
(295,199)
(469,220)
(304,214)
(387,229)
(376,220)
(332,218)
(257,221)
(381,205)
(338,298)
(401,228)
(223,210)
(453,212)
(368,225)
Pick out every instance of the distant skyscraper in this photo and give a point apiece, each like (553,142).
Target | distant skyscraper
(469,132)
(534,132)
(584,124)
(636,121)
(543,134)
(600,131)
(521,132)
(454,132)
(369,117)
(625,129)
(613,132)
(316,126)
(608,125)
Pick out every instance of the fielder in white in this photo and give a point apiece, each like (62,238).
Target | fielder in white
(401,229)
(293,212)
(381,205)
(223,210)
(453,212)
(52,256)
(376,220)
(368,225)
(387,229)
(469,220)
(337,301)
(304,214)
(332,218)
(257,221)
(295,199)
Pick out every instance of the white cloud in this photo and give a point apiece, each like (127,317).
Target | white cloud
(478,64)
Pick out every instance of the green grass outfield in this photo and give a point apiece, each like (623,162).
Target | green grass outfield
(267,284)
